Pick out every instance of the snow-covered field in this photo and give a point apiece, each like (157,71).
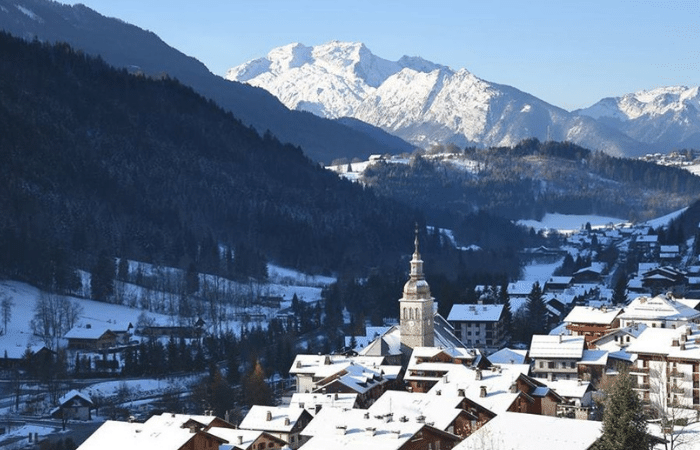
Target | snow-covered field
(568,223)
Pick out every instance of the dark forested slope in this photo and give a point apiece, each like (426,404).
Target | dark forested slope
(97,160)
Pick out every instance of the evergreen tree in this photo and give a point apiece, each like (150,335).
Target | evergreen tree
(255,390)
(620,292)
(102,279)
(504,299)
(536,311)
(624,426)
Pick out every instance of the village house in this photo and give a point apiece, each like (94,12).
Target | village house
(74,406)
(532,432)
(163,432)
(313,402)
(556,357)
(237,439)
(446,413)
(662,311)
(335,428)
(668,365)
(429,364)
(592,323)
(91,337)
(480,326)
(283,423)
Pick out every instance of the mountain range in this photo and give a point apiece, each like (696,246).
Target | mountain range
(427,103)
(123,45)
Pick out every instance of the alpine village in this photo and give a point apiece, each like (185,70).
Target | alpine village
(196,262)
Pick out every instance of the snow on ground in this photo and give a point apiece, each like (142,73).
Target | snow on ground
(664,220)
(12,439)
(569,223)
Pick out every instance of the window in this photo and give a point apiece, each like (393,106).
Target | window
(551,365)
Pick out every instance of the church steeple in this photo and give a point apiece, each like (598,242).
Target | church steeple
(417,329)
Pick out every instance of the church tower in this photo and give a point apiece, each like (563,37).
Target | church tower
(416,307)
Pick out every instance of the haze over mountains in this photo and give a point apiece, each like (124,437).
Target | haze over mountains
(427,103)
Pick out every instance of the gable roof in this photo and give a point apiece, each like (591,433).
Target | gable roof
(558,346)
(475,313)
(281,419)
(591,315)
(511,430)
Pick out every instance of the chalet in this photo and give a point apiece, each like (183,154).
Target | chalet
(237,439)
(618,339)
(15,356)
(368,383)
(669,254)
(589,275)
(314,371)
(556,357)
(658,312)
(664,279)
(533,432)
(429,364)
(356,428)
(647,245)
(283,423)
(164,432)
(577,395)
(479,326)
(314,402)
(74,406)
(592,323)
(91,337)
(558,285)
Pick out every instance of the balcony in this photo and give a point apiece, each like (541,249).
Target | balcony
(676,374)
(677,390)
(641,387)
(639,370)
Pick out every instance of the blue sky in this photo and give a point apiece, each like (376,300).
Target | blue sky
(568,53)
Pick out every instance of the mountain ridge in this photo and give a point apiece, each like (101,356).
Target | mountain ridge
(427,103)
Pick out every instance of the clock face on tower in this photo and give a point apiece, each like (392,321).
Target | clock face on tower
(411,323)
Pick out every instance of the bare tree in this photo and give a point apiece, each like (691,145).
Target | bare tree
(54,315)
(666,406)
(6,304)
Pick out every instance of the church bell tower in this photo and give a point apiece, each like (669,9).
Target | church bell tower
(416,306)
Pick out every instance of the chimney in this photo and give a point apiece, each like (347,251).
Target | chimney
(268,416)
(420,419)
(514,388)
(394,433)
(477,375)
(482,392)
(370,431)
(286,420)
(340,429)
(240,439)
(327,360)
(560,338)
(683,346)
(674,343)
(460,393)
(580,382)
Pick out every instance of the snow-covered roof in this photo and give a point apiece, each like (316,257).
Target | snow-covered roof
(361,379)
(87,332)
(163,433)
(73,394)
(511,430)
(441,411)
(559,280)
(475,313)
(594,358)
(327,365)
(682,342)
(589,315)
(310,401)
(237,438)
(272,418)
(469,382)
(559,346)
(571,389)
(659,307)
(508,356)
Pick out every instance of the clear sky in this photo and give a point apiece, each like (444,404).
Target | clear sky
(568,53)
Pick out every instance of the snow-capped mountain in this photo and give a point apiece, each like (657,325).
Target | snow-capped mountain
(667,116)
(418,100)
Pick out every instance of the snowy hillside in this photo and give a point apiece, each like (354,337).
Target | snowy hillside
(669,115)
(420,101)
